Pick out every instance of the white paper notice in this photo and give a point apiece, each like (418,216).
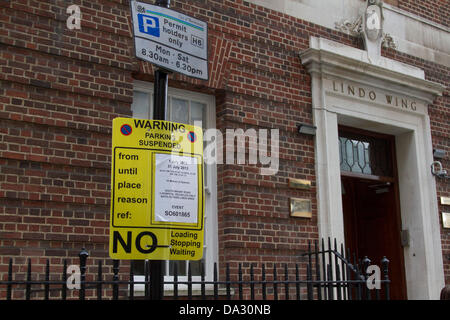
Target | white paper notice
(176,188)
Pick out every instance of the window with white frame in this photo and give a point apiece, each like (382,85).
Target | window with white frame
(192,108)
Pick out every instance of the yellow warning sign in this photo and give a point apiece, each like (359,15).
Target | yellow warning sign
(157,201)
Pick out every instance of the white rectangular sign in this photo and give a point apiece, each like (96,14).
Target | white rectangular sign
(170,39)
(176,188)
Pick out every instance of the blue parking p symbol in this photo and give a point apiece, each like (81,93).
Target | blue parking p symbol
(148,25)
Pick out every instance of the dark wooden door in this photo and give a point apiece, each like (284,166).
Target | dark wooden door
(372,226)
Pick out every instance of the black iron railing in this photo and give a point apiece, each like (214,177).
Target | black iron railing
(338,278)
(322,274)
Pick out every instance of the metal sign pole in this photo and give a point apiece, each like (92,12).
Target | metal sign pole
(160,95)
(159,113)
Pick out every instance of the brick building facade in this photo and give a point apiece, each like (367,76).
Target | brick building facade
(60,89)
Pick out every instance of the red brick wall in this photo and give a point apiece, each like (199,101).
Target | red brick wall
(60,89)
(434,10)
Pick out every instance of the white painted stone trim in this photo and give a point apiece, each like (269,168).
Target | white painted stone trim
(328,61)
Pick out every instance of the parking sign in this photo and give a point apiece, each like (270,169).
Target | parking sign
(157,200)
(170,39)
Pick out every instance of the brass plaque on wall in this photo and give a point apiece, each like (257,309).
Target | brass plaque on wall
(299,184)
(300,208)
(446,220)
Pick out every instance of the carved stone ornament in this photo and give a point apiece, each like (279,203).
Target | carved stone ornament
(388,41)
(369,26)
(354,28)
(373,20)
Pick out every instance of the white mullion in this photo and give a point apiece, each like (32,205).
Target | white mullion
(167,267)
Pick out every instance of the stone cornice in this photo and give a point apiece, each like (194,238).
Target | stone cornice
(341,61)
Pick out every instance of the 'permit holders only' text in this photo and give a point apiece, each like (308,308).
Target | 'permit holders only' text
(170,39)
